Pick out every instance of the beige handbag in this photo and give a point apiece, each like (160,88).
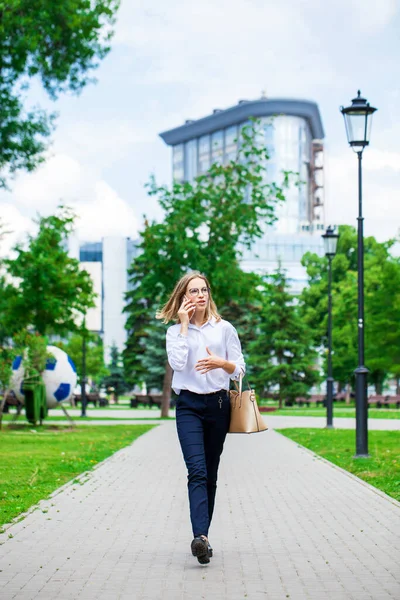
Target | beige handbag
(245,416)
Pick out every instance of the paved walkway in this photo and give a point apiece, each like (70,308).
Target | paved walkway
(287,525)
(274,421)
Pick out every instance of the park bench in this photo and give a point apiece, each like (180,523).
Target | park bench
(313,399)
(149,400)
(381,400)
(11,400)
(340,397)
(93,397)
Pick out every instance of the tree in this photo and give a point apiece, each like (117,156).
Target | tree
(282,355)
(60,43)
(115,380)
(50,286)
(154,356)
(382,298)
(95,367)
(203,224)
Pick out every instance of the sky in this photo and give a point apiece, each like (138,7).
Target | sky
(178,60)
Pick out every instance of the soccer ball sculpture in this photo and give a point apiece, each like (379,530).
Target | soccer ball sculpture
(59,377)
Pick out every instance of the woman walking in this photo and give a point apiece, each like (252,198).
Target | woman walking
(204,352)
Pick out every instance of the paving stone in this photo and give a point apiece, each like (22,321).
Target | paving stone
(286,525)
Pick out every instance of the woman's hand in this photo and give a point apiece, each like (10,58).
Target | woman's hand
(186,310)
(209,364)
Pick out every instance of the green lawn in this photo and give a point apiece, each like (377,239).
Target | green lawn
(37,461)
(373,413)
(290,411)
(21,419)
(381,470)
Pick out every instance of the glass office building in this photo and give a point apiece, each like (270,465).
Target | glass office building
(107,263)
(292,133)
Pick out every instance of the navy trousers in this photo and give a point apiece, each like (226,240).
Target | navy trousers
(202,421)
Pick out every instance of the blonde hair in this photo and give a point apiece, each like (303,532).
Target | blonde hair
(169,312)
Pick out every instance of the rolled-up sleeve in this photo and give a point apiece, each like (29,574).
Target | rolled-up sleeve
(177,350)
(234,354)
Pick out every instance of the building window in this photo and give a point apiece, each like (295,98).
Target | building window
(268,130)
(217,147)
(204,153)
(231,143)
(190,160)
(177,162)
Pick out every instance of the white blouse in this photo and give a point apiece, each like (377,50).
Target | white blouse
(184,352)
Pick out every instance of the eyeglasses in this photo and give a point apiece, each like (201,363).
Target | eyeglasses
(195,291)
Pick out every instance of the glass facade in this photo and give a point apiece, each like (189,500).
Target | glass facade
(191,160)
(231,143)
(288,142)
(178,170)
(217,147)
(204,153)
(91,252)
(290,145)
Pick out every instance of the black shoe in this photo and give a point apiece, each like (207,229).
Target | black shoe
(209,550)
(200,549)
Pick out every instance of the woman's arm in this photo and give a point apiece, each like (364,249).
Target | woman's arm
(233,364)
(177,349)
(214,362)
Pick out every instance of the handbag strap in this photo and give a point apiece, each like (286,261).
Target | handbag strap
(239,385)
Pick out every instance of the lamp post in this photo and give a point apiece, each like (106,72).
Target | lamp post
(330,244)
(358,118)
(83,374)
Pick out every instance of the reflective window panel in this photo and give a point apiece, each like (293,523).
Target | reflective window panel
(217,147)
(177,163)
(190,160)
(231,134)
(204,153)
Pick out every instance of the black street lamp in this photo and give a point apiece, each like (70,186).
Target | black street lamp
(358,118)
(330,244)
(83,374)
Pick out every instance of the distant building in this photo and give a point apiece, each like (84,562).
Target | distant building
(292,131)
(107,262)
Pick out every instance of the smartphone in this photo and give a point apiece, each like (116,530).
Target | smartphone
(185,298)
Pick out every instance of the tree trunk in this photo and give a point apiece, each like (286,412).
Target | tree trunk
(2,407)
(347,393)
(397,386)
(166,397)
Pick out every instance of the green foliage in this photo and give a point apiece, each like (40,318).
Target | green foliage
(154,356)
(282,356)
(59,43)
(116,378)
(33,347)
(95,367)
(204,223)
(382,306)
(51,288)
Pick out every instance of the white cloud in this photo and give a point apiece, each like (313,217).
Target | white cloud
(15,224)
(105,214)
(63,180)
(375,160)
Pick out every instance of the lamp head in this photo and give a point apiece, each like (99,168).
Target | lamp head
(358,120)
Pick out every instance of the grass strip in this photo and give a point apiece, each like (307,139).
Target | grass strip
(381,470)
(37,461)
(285,412)
(78,420)
(373,413)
